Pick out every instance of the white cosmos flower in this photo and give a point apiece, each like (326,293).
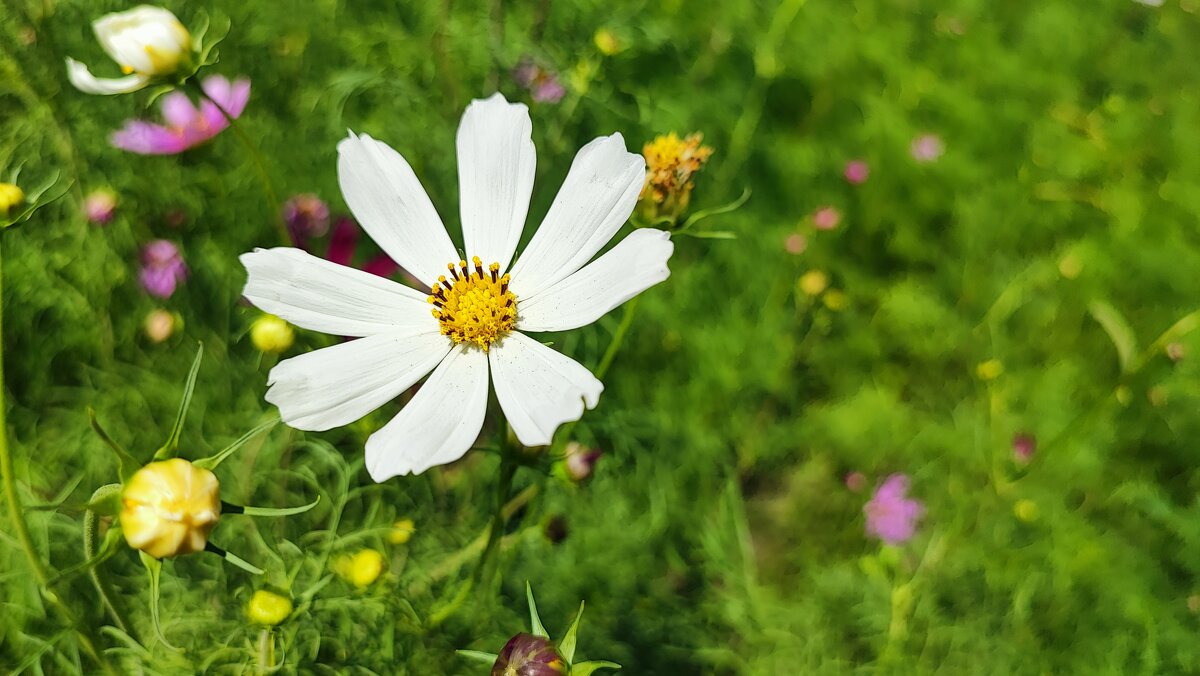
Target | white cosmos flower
(479,309)
(147,42)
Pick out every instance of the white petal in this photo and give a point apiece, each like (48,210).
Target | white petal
(323,296)
(595,200)
(636,264)
(388,200)
(150,40)
(84,81)
(337,385)
(538,388)
(496,163)
(441,422)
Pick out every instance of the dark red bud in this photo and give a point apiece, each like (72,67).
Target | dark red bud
(529,655)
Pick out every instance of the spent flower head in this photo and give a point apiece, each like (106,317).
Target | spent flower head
(673,163)
(169,507)
(148,43)
(891,515)
(468,327)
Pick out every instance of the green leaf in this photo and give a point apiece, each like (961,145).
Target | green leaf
(709,234)
(126,464)
(168,449)
(272,511)
(1118,331)
(567,645)
(535,622)
(46,192)
(234,559)
(478,656)
(211,463)
(154,568)
(715,211)
(586,668)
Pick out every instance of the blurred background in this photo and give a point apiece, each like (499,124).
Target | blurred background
(968,259)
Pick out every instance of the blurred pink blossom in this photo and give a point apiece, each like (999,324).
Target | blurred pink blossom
(1024,446)
(856,482)
(826,218)
(343,242)
(927,148)
(891,515)
(186,126)
(795,244)
(162,268)
(99,206)
(856,172)
(542,84)
(306,216)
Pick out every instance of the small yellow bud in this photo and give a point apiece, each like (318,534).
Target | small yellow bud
(989,370)
(159,325)
(10,196)
(1070,266)
(606,42)
(360,569)
(271,334)
(813,282)
(169,508)
(402,531)
(835,300)
(268,608)
(1026,510)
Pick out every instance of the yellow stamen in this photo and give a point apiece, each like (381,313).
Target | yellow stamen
(477,307)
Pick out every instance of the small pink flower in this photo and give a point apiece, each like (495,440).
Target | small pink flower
(927,148)
(856,482)
(100,206)
(307,216)
(795,244)
(162,268)
(186,126)
(891,515)
(856,172)
(826,218)
(1024,446)
(542,84)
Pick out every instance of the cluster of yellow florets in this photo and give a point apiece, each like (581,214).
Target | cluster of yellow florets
(476,307)
(672,163)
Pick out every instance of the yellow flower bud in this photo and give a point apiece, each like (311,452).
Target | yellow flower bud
(402,531)
(10,196)
(271,334)
(835,300)
(169,508)
(361,568)
(989,370)
(606,42)
(268,608)
(159,325)
(813,282)
(1026,510)
(671,167)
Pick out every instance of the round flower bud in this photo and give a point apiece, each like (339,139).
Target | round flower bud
(529,655)
(580,461)
(268,608)
(271,334)
(813,282)
(159,325)
(100,206)
(169,508)
(402,531)
(360,569)
(10,196)
(146,40)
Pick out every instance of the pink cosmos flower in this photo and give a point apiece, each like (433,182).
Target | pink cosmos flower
(826,218)
(856,172)
(891,515)
(927,148)
(542,84)
(100,206)
(162,268)
(186,126)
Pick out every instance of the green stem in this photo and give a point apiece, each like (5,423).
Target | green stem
(508,470)
(91,537)
(618,338)
(260,165)
(266,652)
(17,514)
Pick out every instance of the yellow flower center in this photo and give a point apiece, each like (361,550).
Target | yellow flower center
(474,306)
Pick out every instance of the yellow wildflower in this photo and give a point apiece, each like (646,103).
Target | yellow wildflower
(672,164)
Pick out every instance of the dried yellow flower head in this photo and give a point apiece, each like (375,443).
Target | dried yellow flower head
(672,164)
(169,508)
(268,608)
(271,334)
(10,196)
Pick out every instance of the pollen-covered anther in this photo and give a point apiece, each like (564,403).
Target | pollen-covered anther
(476,307)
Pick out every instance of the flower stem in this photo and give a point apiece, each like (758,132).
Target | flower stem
(266,652)
(260,165)
(17,514)
(508,470)
(618,338)
(91,536)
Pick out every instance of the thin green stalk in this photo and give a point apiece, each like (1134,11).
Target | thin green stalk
(266,652)
(260,165)
(508,470)
(91,538)
(17,514)
(617,339)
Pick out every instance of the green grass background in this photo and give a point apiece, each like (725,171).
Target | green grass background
(717,535)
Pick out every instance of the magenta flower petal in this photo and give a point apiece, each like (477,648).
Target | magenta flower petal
(147,138)
(891,515)
(342,242)
(178,110)
(381,265)
(163,268)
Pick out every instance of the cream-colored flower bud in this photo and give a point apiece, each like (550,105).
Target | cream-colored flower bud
(169,508)
(147,42)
